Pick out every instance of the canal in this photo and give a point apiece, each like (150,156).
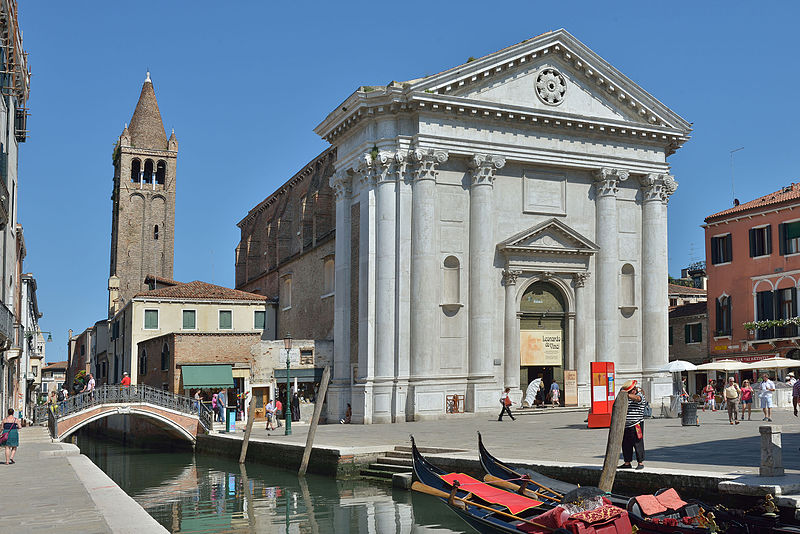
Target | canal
(187,492)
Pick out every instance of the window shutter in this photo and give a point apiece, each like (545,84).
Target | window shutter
(782,239)
(687,333)
(728,247)
(752,233)
(728,316)
(714,255)
(794,302)
(718,317)
(768,242)
(699,328)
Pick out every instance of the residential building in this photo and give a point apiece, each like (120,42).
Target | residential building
(183,307)
(15,84)
(53,376)
(753,264)
(681,294)
(688,336)
(500,220)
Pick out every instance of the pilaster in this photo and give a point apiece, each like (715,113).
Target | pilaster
(582,356)
(511,348)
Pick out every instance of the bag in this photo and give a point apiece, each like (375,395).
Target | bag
(60,395)
(506,402)
(639,433)
(647,410)
(3,437)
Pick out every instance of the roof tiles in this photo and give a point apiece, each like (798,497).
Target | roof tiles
(200,291)
(791,192)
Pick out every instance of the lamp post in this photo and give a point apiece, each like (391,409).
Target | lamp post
(287,344)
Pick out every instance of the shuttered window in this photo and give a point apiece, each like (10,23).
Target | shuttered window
(721,249)
(765,310)
(225,319)
(189,319)
(789,237)
(151,319)
(693,333)
(760,241)
(723,316)
(259,319)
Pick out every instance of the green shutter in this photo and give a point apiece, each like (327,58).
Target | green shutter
(225,320)
(699,337)
(189,320)
(259,319)
(792,230)
(687,334)
(151,319)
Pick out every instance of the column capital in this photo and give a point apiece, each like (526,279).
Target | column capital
(658,187)
(364,169)
(484,167)
(510,277)
(390,166)
(606,180)
(340,183)
(579,279)
(427,160)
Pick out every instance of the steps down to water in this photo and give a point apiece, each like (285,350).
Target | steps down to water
(397,461)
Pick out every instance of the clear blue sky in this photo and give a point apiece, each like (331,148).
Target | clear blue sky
(244,83)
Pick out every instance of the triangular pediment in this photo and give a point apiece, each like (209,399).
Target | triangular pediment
(553,73)
(551,236)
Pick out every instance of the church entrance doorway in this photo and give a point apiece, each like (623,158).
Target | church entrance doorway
(542,334)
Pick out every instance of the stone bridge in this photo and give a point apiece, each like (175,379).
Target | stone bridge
(175,412)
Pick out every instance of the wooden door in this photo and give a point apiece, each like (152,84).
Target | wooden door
(262,399)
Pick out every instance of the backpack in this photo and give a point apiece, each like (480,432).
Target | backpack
(60,396)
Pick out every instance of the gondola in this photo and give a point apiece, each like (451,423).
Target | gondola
(484,515)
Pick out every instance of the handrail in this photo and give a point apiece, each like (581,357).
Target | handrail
(118,394)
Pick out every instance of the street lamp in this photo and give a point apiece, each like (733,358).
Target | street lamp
(287,344)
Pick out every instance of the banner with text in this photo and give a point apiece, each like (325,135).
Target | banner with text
(541,347)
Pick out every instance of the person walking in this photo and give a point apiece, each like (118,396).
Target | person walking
(633,436)
(295,407)
(765,397)
(555,393)
(732,393)
(278,412)
(11,432)
(215,407)
(505,402)
(270,408)
(708,393)
(747,399)
(126,380)
(89,387)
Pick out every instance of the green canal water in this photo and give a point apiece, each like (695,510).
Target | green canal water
(189,492)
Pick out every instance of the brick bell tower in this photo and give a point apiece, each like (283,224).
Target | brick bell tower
(143,215)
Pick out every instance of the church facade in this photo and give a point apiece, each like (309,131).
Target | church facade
(499,221)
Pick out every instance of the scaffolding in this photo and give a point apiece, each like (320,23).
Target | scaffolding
(15,75)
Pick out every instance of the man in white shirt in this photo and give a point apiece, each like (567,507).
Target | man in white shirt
(89,388)
(765,396)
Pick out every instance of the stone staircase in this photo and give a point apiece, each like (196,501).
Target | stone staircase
(398,461)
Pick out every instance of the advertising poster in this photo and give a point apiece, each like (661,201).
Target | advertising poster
(570,388)
(540,347)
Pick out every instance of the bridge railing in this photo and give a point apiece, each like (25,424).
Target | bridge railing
(116,394)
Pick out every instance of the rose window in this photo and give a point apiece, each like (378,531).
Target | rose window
(551,86)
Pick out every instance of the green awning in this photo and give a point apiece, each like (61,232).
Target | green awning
(206,376)
(303,375)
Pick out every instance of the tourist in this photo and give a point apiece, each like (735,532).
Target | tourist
(10,430)
(747,399)
(295,407)
(348,415)
(505,402)
(270,408)
(278,412)
(215,406)
(795,396)
(222,404)
(126,380)
(555,393)
(633,437)
(765,397)
(89,387)
(790,379)
(708,393)
(197,401)
(732,394)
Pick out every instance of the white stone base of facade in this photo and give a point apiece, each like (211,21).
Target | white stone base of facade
(338,396)
(657,388)
(382,398)
(427,398)
(584,396)
(399,398)
(362,404)
(516,395)
(483,395)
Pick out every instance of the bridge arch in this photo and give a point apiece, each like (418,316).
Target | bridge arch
(70,424)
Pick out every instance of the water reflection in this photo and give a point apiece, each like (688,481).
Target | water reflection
(197,493)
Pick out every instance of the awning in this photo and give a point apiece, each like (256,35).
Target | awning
(206,376)
(302,375)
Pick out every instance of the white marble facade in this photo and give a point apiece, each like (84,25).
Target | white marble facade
(456,192)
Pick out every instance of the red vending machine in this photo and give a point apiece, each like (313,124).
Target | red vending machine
(602,394)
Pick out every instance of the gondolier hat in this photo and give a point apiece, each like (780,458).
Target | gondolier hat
(629,385)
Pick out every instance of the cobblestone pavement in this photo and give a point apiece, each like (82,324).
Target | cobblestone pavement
(44,495)
(544,434)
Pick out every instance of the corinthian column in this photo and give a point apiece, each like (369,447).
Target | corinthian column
(656,190)
(511,334)
(607,305)
(582,359)
(339,390)
(386,171)
(424,284)
(482,283)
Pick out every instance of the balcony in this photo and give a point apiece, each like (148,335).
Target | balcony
(6,327)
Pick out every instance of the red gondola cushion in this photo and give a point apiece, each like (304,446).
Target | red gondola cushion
(514,502)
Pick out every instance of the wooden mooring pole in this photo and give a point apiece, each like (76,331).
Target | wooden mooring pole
(614,444)
(250,416)
(323,389)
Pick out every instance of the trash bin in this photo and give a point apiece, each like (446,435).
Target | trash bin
(689,414)
(230,419)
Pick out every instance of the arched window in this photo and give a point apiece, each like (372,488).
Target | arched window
(627,286)
(161,172)
(451,281)
(165,357)
(136,171)
(155,232)
(148,171)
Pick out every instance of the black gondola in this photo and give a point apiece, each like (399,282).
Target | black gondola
(482,515)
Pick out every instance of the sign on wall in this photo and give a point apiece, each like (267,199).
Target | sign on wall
(540,347)
(570,388)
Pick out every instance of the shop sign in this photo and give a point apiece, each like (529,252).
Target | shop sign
(540,347)
(721,347)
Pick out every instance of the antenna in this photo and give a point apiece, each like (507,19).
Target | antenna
(733,189)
